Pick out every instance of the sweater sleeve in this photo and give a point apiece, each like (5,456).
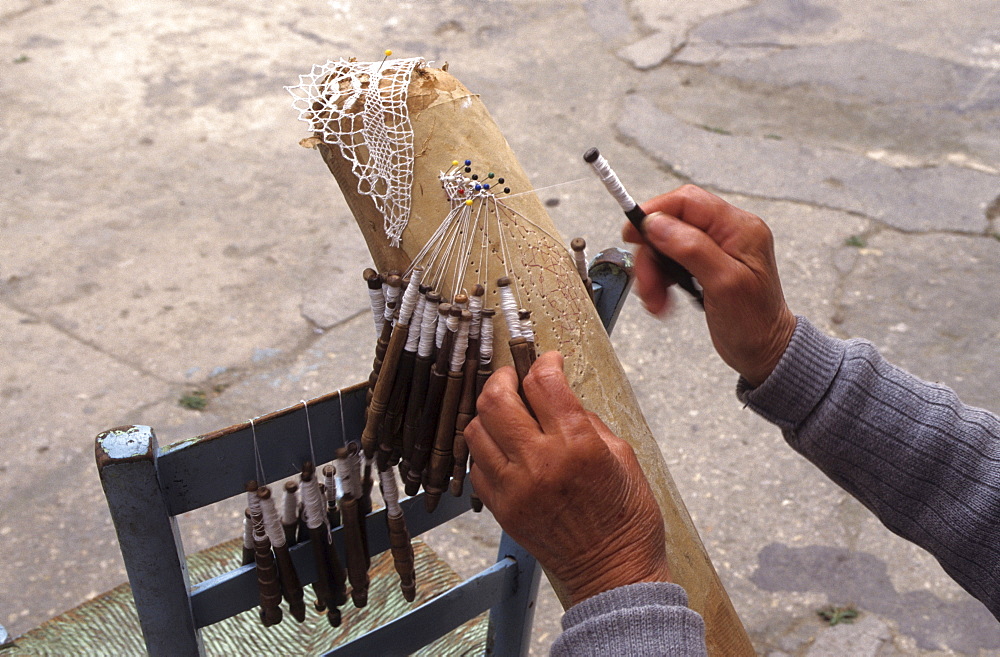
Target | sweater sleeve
(925,463)
(637,620)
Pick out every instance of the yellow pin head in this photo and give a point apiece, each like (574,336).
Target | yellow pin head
(388,53)
(454,163)
(468,201)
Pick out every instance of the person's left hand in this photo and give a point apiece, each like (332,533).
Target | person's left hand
(563,485)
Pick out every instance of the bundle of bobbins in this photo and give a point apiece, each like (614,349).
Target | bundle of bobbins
(312,506)
(434,347)
(432,359)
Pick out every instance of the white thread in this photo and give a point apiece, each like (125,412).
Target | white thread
(253,503)
(509,307)
(258,462)
(356,462)
(486,340)
(256,517)
(330,481)
(611,181)
(428,329)
(476,308)
(433,248)
(371,126)
(377,297)
(290,507)
(343,475)
(410,297)
(349,474)
(338,486)
(247,533)
(309,431)
(540,189)
(312,500)
(272,525)
(416,325)
(259,535)
(390,492)
(391,299)
(526,331)
(461,345)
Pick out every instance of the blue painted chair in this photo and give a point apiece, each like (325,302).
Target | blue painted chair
(147,487)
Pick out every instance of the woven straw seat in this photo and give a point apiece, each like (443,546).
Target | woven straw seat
(108,625)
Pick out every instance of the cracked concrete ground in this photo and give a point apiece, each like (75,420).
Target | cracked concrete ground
(163,233)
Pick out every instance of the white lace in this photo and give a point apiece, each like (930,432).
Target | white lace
(361,107)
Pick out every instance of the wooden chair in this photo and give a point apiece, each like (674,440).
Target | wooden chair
(147,487)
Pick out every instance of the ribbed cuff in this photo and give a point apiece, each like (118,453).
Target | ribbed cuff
(800,380)
(650,618)
(632,595)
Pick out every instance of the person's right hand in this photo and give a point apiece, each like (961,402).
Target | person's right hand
(731,253)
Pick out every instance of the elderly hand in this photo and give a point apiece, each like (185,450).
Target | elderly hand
(731,253)
(563,486)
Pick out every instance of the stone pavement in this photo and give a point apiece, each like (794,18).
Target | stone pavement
(162,233)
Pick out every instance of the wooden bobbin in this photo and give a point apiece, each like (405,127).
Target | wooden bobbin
(291,587)
(525,316)
(392,280)
(332,512)
(318,538)
(431,411)
(357,572)
(439,469)
(402,555)
(399,535)
(391,430)
(338,576)
(268,588)
(290,524)
(482,375)
(372,278)
(466,410)
(383,387)
(381,346)
(267,583)
(364,508)
(521,352)
(377,298)
(579,245)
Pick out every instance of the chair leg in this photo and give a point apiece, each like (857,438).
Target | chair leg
(509,633)
(149,540)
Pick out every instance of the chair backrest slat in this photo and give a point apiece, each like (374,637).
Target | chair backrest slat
(210,468)
(432,620)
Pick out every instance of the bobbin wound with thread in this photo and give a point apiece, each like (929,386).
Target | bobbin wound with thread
(672,269)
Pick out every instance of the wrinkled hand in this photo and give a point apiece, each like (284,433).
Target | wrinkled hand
(563,486)
(731,253)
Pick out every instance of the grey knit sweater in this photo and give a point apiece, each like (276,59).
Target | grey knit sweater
(927,465)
